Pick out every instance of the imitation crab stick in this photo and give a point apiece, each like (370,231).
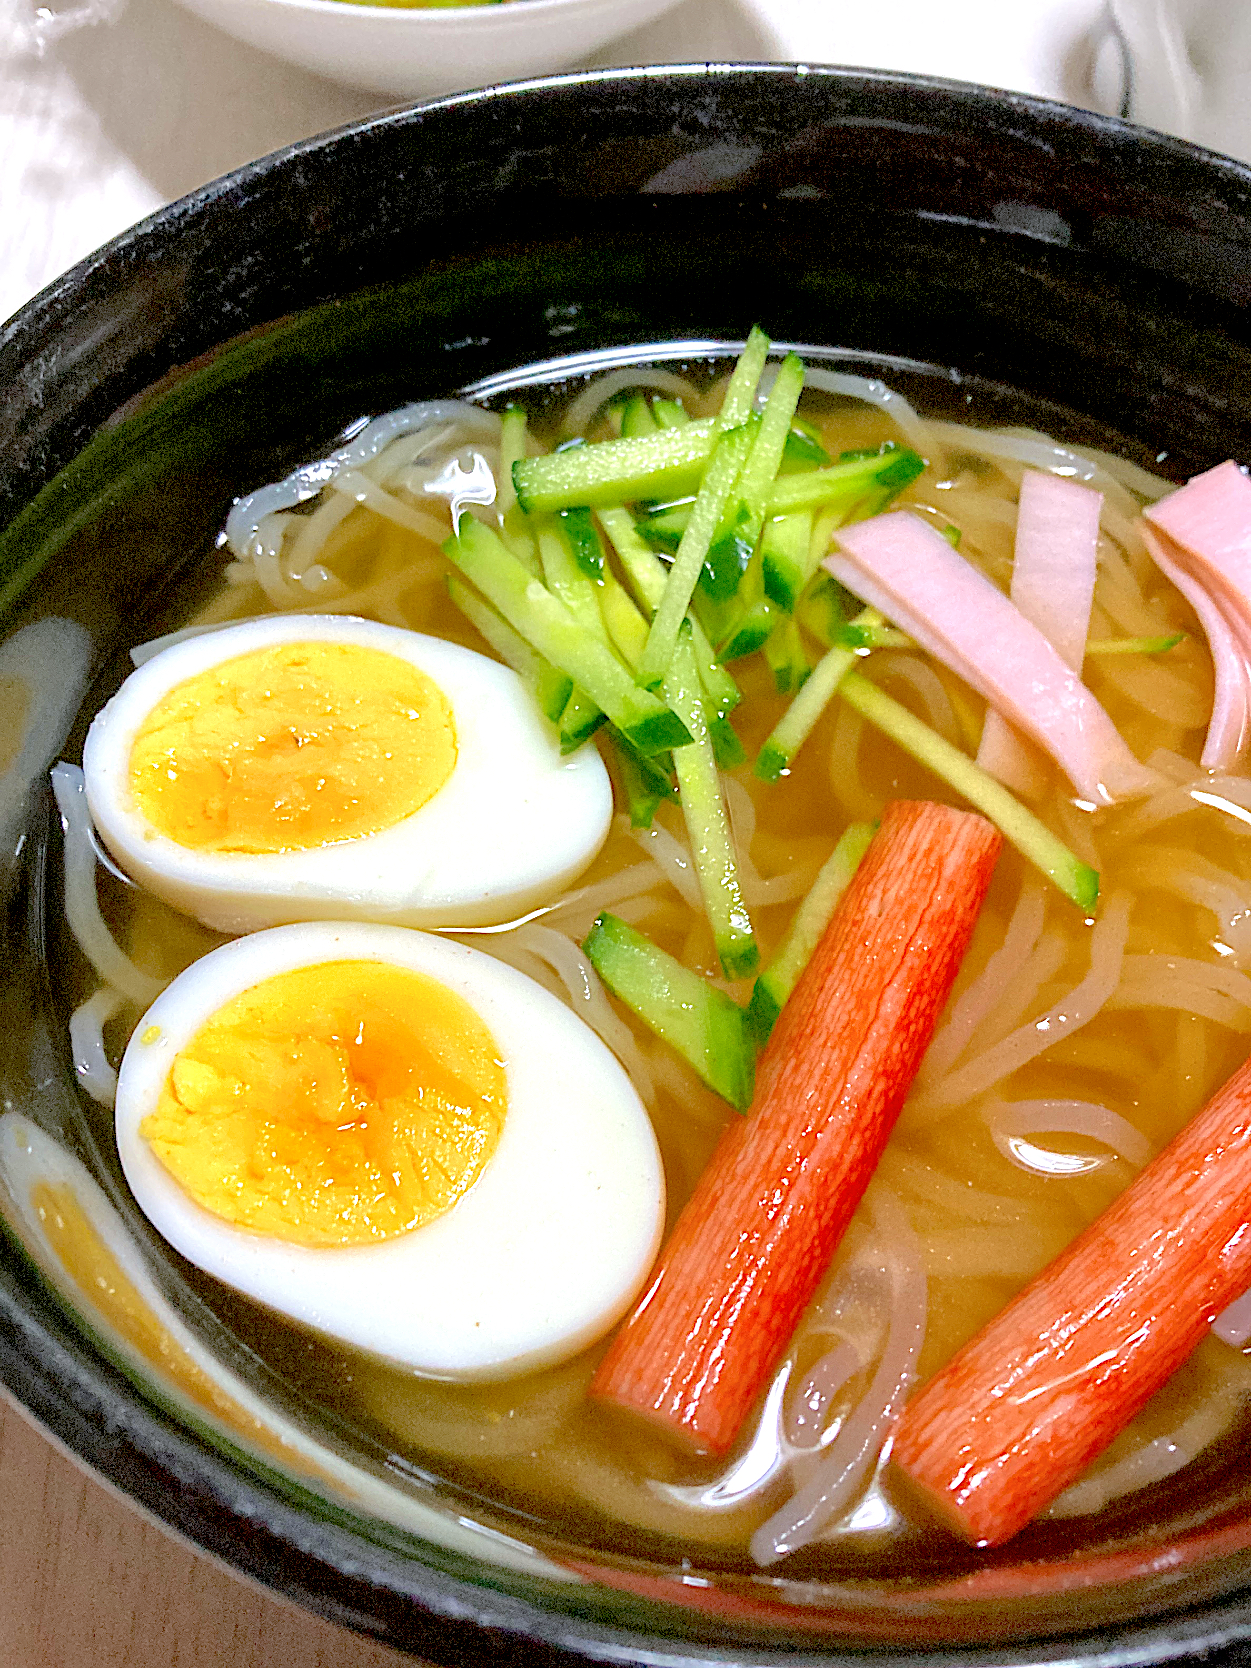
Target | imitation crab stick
(752,1244)
(1021,1410)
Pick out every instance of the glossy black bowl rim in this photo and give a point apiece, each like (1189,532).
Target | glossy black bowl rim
(100,1419)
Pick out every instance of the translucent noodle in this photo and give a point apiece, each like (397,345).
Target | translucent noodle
(847,1461)
(1078,1008)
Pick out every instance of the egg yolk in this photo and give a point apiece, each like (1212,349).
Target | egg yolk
(338,1104)
(292,746)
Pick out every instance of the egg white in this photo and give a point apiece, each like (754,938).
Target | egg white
(512,826)
(542,1255)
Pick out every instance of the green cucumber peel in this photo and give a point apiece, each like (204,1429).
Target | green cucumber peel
(645,783)
(583,540)
(873,635)
(1135,645)
(865,484)
(579,721)
(785,548)
(513,447)
(726,746)
(784,653)
(800,718)
(696,1019)
(741,523)
(803,450)
(723,472)
(661,465)
(551,629)
(1019,826)
(806,930)
(664,526)
(707,825)
(551,688)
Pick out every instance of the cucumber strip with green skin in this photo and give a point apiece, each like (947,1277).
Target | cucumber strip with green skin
(669,414)
(663,528)
(740,392)
(513,446)
(822,610)
(785,545)
(707,825)
(877,480)
(636,418)
(803,449)
(872,635)
(723,472)
(785,655)
(1135,645)
(548,626)
(626,626)
(1019,826)
(813,916)
(648,575)
(726,746)
(799,720)
(721,693)
(645,783)
(551,687)
(739,532)
(579,721)
(696,1019)
(661,465)
(643,568)
(565,580)
(584,542)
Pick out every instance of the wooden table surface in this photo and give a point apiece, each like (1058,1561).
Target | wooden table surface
(85,1582)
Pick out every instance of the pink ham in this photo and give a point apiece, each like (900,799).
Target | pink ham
(1200,537)
(1231,701)
(1053,584)
(911,574)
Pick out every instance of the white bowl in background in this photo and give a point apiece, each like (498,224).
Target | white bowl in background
(422,51)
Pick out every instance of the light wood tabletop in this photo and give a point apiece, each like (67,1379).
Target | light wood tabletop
(84,1579)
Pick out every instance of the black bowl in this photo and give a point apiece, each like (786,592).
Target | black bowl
(985,251)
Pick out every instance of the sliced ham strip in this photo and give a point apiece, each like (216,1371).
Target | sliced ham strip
(1231,700)
(1200,538)
(1053,584)
(909,572)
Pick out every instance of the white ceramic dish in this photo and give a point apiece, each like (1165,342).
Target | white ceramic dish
(421,51)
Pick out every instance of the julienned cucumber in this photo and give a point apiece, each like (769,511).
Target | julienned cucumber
(707,825)
(706,1028)
(798,721)
(718,483)
(1032,838)
(548,626)
(875,479)
(814,914)
(660,465)
(551,687)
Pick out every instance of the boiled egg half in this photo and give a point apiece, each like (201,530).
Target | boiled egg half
(316,767)
(396,1141)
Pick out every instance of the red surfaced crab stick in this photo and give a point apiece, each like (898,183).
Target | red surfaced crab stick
(752,1244)
(1020,1411)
